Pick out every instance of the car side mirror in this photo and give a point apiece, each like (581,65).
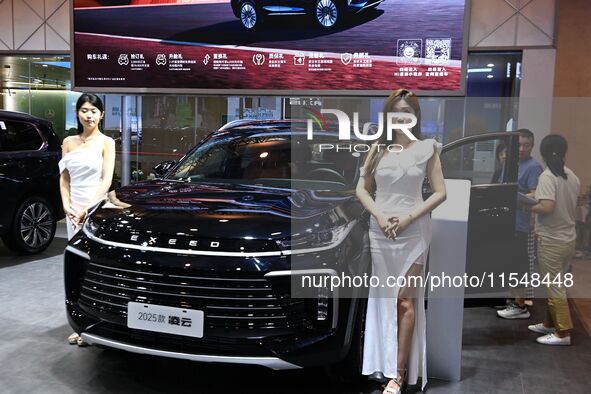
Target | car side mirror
(162,168)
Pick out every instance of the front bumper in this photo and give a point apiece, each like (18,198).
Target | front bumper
(250,317)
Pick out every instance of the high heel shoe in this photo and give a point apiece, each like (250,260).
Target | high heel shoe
(400,383)
(75,339)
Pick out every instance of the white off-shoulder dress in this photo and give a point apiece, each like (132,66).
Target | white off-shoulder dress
(399,178)
(85,166)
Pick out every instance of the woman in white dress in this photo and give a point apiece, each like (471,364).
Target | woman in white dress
(400,233)
(87,164)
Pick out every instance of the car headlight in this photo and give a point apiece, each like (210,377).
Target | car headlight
(90,227)
(316,241)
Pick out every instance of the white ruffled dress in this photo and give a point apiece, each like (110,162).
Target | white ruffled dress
(85,167)
(399,179)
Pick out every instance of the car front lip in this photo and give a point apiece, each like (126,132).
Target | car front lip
(269,362)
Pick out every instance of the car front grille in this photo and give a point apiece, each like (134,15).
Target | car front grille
(232,303)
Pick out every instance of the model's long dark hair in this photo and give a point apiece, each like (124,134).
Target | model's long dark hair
(374,157)
(553,149)
(93,100)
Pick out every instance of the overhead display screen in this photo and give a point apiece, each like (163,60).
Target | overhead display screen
(351,47)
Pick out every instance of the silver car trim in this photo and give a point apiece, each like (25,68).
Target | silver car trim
(281,9)
(350,226)
(312,271)
(269,362)
(77,252)
(371,5)
(286,13)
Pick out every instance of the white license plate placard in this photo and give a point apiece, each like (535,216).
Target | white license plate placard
(167,319)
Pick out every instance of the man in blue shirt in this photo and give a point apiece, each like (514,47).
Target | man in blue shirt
(529,171)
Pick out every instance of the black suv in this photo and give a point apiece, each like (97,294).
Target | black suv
(200,264)
(326,13)
(207,262)
(29,182)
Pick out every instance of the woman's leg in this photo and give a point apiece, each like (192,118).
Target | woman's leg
(406,316)
(406,324)
(553,258)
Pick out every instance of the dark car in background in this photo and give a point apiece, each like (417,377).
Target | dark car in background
(29,182)
(206,262)
(326,13)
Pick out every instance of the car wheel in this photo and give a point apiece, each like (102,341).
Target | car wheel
(249,16)
(326,13)
(33,227)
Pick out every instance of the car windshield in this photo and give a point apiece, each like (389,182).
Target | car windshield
(269,160)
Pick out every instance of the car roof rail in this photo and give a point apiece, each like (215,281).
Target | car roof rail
(234,123)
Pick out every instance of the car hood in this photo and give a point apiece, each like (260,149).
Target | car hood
(248,218)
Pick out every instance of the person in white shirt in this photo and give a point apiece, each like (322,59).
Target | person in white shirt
(557,192)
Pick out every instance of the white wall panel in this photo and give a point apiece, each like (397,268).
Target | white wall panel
(6,33)
(59,21)
(537,89)
(35,25)
(530,35)
(512,23)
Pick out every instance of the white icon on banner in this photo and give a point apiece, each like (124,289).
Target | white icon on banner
(161,59)
(206,59)
(409,50)
(258,59)
(123,59)
(299,59)
(346,58)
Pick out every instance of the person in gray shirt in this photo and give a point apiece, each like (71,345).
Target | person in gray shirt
(557,194)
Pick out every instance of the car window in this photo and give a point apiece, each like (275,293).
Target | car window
(19,136)
(266,159)
(482,162)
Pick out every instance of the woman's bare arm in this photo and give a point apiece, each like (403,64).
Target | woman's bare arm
(65,179)
(108,169)
(435,176)
(543,207)
(364,186)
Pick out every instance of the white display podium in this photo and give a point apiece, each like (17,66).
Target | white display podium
(447,254)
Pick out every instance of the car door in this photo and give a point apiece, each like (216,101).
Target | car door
(491,222)
(22,166)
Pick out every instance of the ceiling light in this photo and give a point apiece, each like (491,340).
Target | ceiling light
(480,70)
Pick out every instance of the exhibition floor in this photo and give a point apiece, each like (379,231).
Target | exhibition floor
(498,355)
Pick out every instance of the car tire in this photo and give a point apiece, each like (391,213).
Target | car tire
(33,227)
(327,14)
(348,370)
(249,15)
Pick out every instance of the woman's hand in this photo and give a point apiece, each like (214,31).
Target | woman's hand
(75,217)
(387,224)
(70,213)
(80,216)
(401,225)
